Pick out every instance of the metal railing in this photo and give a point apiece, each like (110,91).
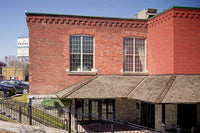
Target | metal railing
(27,114)
(96,123)
(66,119)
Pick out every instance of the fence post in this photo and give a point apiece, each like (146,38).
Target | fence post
(29,112)
(20,114)
(69,128)
(112,123)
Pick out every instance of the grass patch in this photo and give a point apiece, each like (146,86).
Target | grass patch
(21,98)
(45,116)
(2,118)
(48,117)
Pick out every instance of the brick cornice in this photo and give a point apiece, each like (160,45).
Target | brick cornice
(142,24)
(187,15)
(181,13)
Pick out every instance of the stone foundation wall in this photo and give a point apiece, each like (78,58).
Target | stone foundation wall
(158,116)
(171,116)
(128,110)
(36,100)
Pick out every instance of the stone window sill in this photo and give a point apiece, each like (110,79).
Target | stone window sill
(71,73)
(134,73)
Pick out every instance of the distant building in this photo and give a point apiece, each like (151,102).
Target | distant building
(146,13)
(11,73)
(1,66)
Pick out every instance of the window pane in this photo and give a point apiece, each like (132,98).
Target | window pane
(134,54)
(139,63)
(128,46)
(95,110)
(104,102)
(87,62)
(139,55)
(75,62)
(87,44)
(139,46)
(110,108)
(81,53)
(128,65)
(75,44)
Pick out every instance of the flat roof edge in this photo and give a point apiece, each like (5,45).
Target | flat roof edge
(173,7)
(69,15)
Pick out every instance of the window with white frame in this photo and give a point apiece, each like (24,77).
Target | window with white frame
(81,53)
(134,55)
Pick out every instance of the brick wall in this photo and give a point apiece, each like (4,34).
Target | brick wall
(161,44)
(49,47)
(173,46)
(187,41)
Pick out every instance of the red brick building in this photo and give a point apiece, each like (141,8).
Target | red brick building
(143,64)
(178,38)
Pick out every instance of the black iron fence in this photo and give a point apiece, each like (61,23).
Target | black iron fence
(37,115)
(95,123)
(66,119)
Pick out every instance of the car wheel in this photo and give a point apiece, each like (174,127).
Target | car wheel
(2,94)
(25,91)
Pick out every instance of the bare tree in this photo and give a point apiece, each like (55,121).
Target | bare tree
(16,63)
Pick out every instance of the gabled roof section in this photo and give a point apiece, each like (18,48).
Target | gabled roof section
(180,7)
(152,89)
(68,91)
(102,87)
(185,89)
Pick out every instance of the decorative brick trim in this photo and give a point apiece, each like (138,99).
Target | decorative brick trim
(191,15)
(174,14)
(89,22)
(160,20)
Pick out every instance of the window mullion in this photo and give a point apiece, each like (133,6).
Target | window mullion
(134,55)
(81,53)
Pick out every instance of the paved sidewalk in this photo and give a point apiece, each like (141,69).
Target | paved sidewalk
(7,127)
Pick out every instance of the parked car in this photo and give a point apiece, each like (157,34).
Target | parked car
(20,86)
(7,90)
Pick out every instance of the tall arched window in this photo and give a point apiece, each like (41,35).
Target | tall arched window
(81,53)
(134,55)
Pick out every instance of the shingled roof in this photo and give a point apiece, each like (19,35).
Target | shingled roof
(185,89)
(103,87)
(153,89)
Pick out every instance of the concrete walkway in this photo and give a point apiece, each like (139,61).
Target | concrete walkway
(7,127)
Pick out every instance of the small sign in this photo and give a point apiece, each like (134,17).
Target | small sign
(22,52)
(23,42)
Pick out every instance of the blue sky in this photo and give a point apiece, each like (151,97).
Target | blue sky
(13,19)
